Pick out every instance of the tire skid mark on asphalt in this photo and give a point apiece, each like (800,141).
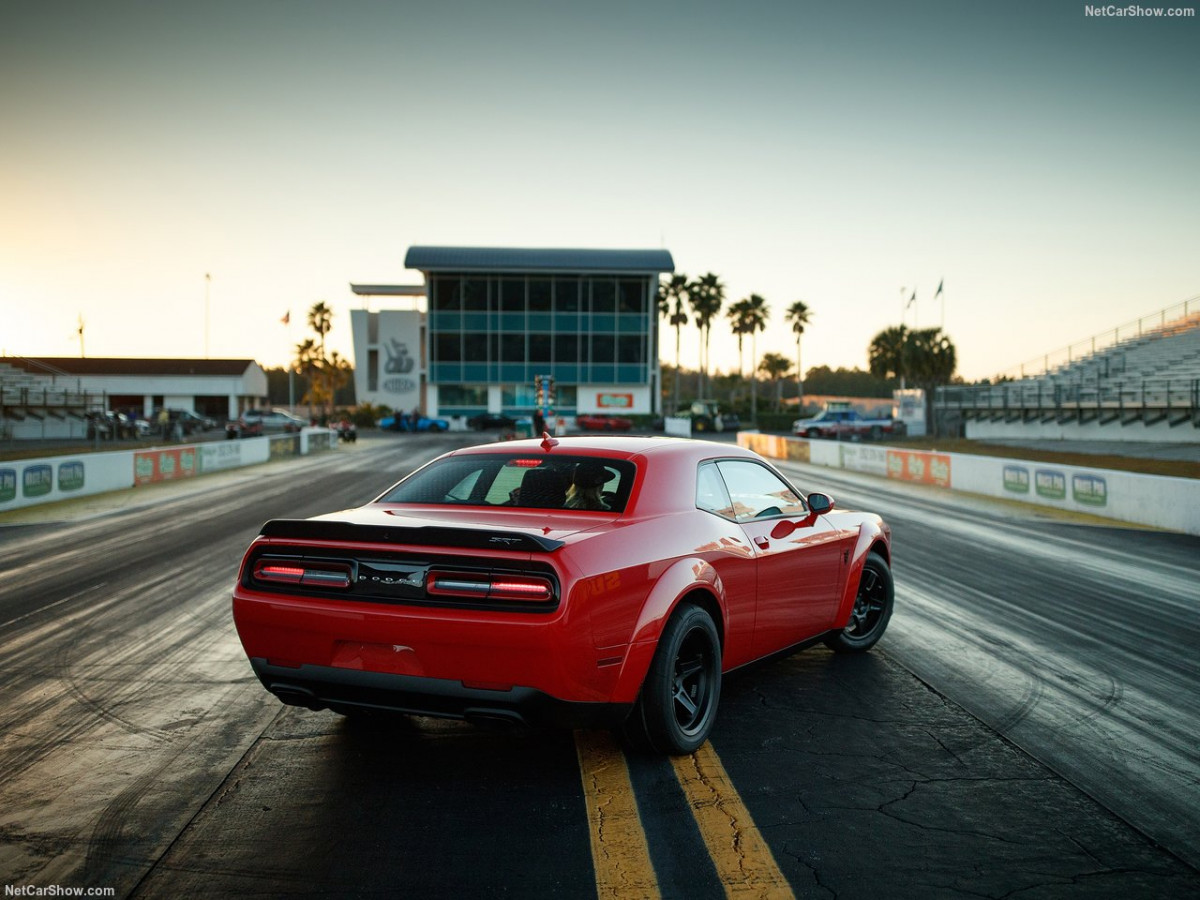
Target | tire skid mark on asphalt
(1105,740)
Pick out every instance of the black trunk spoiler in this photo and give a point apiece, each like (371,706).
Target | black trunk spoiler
(426,536)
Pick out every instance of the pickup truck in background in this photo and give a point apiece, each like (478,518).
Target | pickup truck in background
(847,425)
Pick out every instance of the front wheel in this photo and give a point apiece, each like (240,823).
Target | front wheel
(678,704)
(872,609)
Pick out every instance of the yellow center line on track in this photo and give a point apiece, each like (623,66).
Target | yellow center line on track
(620,852)
(744,862)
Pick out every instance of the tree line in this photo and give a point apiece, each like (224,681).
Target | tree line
(896,356)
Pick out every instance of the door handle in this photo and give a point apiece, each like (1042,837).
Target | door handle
(762,541)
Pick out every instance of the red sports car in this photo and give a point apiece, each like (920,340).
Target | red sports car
(591,581)
(603,423)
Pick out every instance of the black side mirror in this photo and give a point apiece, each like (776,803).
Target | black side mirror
(820,503)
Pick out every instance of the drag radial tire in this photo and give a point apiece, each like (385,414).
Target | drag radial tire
(872,609)
(678,703)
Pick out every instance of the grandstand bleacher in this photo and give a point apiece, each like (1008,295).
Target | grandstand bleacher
(41,403)
(1143,387)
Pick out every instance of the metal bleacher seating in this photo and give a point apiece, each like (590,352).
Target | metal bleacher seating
(1149,377)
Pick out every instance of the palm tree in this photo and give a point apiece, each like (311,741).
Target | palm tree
(886,354)
(671,299)
(775,366)
(706,296)
(320,320)
(738,315)
(925,357)
(307,360)
(756,318)
(799,315)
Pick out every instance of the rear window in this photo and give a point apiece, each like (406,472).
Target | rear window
(522,481)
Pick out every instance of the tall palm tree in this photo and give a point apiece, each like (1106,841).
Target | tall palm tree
(706,296)
(307,360)
(320,320)
(756,320)
(671,299)
(799,315)
(739,323)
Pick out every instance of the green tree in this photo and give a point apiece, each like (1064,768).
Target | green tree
(749,316)
(776,366)
(320,320)
(799,315)
(887,352)
(307,360)
(925,358)
(706,296)
(672,298)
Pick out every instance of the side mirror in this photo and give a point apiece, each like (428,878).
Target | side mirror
(820,503)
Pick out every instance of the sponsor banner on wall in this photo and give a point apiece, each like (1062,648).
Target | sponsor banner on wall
(919,466)
(284,447)
(218,455)
(773,445)
(1090,490)
(164,465)
(37,481)
(612,400)
(70,476)
(1016,479)
(8,485)
(863,458)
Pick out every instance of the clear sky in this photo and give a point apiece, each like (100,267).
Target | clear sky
(1043,162)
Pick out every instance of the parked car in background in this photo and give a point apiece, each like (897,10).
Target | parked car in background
(844,424)
(255,422)
(603,423)
(584,582)
(406,422)
(485,421)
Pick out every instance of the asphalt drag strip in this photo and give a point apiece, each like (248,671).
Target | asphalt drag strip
(855,779)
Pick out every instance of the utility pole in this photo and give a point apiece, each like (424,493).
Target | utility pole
(80,333)
(207,282)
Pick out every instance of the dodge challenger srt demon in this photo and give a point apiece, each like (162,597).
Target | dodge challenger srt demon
(591,582)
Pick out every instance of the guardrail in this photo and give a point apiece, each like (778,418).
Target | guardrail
(1154,500)
(31,482)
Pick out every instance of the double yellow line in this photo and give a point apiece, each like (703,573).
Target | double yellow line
(620,853)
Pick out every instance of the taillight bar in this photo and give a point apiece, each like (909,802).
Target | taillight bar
(326,575)
(481,586)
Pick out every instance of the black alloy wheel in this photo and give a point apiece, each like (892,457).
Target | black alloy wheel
(678,703)
(872,609)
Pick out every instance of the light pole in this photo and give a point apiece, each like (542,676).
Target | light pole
(207,281)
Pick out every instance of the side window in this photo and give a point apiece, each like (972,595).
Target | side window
(711,495)
(757,492)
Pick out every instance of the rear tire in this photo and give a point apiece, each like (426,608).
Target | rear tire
(678,703)
(872,609)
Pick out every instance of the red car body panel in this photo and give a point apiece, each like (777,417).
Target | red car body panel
(618,575)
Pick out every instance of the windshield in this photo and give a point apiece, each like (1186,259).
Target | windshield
(585,483)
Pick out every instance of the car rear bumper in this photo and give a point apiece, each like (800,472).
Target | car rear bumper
(352,690)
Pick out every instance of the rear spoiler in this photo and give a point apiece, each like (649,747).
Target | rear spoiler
(429,535)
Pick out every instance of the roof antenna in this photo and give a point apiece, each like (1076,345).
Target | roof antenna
(548,442)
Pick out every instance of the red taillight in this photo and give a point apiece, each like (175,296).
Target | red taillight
(526,588)
(316,575)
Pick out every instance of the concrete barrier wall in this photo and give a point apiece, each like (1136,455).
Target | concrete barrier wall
(29,482)
(1171,503)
